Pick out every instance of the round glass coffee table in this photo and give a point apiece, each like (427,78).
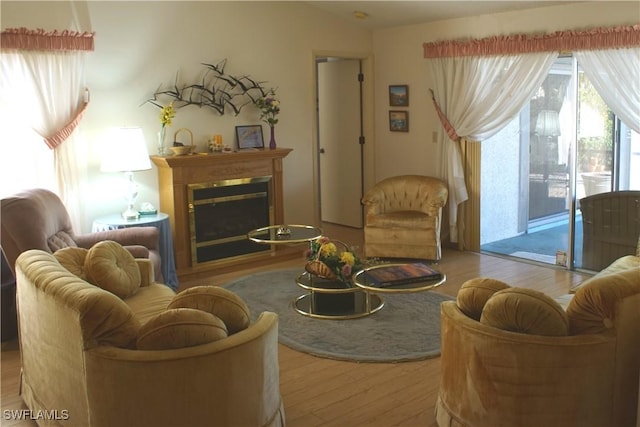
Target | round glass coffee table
(284,234)
(324,299)
(333,299)
(360,280)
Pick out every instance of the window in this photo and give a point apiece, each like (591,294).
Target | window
(26,161)
(528,168)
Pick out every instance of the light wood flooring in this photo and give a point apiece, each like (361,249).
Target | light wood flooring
(329,393)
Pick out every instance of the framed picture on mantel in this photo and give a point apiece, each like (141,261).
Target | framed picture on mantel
(249,137)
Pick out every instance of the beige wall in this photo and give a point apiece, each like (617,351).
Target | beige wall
(140,45)
(399,60)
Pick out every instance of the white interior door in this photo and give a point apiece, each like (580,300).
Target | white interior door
(338,136)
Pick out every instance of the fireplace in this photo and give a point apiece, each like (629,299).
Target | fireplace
(178,176)
(221,213)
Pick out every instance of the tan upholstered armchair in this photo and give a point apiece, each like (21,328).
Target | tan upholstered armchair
(92,358)
(403,217)
(37,219)
(516,357)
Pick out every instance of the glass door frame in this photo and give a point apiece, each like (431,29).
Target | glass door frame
(573,170)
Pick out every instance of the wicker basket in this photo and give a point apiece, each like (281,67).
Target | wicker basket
(319,268)
(181,150)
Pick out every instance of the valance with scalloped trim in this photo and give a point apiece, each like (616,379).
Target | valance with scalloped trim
(26,39)
(592,39)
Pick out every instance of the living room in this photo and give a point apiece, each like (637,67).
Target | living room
(142,45)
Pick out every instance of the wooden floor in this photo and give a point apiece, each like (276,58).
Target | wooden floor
(328,393)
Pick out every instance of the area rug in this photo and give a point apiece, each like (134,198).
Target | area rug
(407,328)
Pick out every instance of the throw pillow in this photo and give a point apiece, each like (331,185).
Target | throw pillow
(218,301)
(593,308)
(60,240)
(73,260)
(111,267)
(525,311)
(179,328)
(474,293)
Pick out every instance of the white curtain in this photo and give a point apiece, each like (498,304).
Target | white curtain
(478,96)
(615,73)
(44,91)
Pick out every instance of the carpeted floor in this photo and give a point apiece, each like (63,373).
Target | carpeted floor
(407,328)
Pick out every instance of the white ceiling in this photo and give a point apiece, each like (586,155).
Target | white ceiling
(391,13)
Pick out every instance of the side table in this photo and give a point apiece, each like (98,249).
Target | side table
(160,221)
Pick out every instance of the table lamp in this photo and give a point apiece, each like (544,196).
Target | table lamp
(127,152)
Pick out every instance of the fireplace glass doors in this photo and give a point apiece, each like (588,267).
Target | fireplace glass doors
(221,213)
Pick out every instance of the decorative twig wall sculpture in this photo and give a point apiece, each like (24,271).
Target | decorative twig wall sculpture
(216,90)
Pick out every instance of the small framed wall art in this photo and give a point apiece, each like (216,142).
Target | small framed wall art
(399,95)
(399,121)
(249,136)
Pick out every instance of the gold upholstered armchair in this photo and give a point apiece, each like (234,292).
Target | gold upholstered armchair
(403,217)
(103,345)
(516,357)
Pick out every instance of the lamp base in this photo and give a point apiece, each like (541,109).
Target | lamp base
(130,214)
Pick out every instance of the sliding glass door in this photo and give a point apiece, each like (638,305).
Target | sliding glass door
(565,145)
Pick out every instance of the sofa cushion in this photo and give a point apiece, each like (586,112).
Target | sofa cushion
(179,328)
(474,293)
(150,301)
(73,260)
(525,311)
(218,301)
(402,219)
(593,308)
(111,267)
(60,240)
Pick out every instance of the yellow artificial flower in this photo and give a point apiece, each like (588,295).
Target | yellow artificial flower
(348,258)
(166,114)
(328,249)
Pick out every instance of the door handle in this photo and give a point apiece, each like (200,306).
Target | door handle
(322,151)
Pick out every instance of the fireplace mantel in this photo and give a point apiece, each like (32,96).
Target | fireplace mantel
(176,173)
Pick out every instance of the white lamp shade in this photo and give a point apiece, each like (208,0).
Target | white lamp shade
(548,123)
(125,151)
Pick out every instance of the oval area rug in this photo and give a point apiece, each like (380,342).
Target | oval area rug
(407,327)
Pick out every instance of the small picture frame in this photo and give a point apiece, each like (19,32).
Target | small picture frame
(399,95)
(399,121)
(249,136)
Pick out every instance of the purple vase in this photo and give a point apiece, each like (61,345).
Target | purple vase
(272,141)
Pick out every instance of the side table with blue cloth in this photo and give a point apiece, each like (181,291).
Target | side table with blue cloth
(161,221)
